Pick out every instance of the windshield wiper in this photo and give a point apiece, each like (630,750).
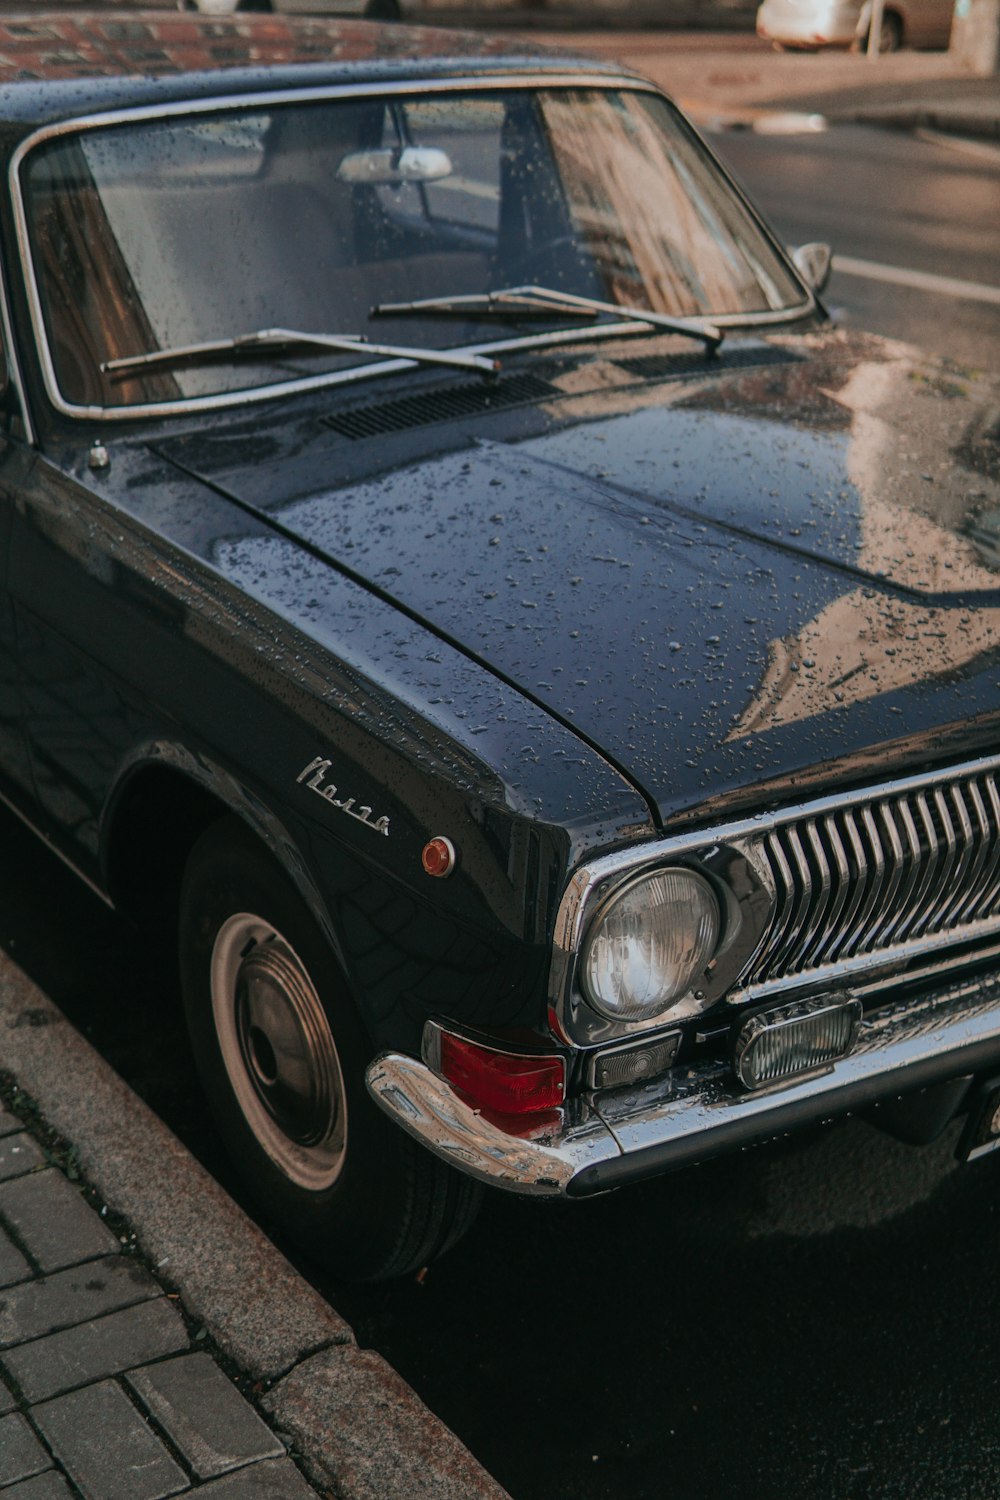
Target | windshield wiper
(268,338)
(544,302)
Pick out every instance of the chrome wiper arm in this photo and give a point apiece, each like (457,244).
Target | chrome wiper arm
(266,338)
(514,303)
(541,301)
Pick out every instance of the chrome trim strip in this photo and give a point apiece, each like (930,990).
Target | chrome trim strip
(310,94)
(632,1133)
(53,848)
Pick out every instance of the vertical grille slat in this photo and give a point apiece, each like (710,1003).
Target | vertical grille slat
(782,876)
(840,890)
(892,869)
(982,843)
(911,857)
(859,864)
(887,908)
(802,885)
(925,898)
(817,872)
(875,865)
(966,851)
(991,875)
(936,916)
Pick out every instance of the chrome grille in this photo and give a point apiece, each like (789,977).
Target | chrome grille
(916,867)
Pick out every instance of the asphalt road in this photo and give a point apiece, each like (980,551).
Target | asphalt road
(812,1318)
(901,203)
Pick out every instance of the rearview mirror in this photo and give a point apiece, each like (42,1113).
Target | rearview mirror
(394,165)
(814,262)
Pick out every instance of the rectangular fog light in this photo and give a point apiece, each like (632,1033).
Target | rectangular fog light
(775,1046)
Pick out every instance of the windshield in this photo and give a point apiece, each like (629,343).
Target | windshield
(154,235)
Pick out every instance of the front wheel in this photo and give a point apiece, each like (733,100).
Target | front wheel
(282,1056)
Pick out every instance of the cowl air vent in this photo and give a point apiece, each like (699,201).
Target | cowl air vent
(659,366)
(442,404)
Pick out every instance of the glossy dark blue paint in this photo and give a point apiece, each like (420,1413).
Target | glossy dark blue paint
(658,567)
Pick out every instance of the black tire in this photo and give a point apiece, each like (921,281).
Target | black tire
(282,1055)
(382,10)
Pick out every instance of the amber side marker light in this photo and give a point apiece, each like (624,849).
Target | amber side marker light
(438,857)
(505,1083)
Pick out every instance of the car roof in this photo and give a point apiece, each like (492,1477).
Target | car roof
(55,65)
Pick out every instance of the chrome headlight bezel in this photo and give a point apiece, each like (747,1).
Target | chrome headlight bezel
(742,885)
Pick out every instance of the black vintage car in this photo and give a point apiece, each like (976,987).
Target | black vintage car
(539,678)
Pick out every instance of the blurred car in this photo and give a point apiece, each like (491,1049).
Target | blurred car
(808,24)
(535,682)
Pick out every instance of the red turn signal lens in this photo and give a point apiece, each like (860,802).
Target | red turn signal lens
(505,1083)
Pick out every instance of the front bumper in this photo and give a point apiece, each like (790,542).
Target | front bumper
(598,1142)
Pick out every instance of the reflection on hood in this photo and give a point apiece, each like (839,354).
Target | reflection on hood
(733,576)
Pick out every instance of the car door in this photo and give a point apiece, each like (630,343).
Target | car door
(93,629)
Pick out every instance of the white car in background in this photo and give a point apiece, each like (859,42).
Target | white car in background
(808,24)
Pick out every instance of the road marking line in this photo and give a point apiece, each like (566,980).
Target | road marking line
(924,281)
(965,145)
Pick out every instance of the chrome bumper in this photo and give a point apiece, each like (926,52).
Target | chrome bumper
(598,1142)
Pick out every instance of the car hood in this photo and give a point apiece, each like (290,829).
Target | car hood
(757,574)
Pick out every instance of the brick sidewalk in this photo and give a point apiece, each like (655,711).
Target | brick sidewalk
(104,1392)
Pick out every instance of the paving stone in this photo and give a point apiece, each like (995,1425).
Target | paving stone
(13,1266)
(21,1454)
(93,1351)
(47,1486)
(204,1415)
(272,1480)
(106,1448)
(7,1402)
(76,1295)
(19,1154)
(51,1219)
(9,1123)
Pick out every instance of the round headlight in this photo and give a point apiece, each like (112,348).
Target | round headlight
(648,943)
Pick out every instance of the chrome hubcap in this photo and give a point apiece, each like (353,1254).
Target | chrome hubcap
(278,1051)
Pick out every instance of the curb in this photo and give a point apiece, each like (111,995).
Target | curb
(351,1420)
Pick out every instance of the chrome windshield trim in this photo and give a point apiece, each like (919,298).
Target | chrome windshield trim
(742,835)
(216,104)
(694,1112)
